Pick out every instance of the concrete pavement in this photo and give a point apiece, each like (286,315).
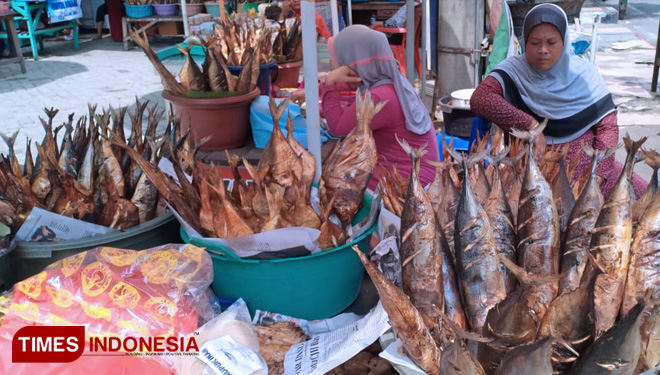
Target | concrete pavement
(102,72)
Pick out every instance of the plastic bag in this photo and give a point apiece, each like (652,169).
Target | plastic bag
(113,293)
(262,123)
(228,345)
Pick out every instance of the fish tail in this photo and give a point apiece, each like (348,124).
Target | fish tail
(140,39)
(528,278)
(10,140)
(496,160)
(415,153)
(557,155)
(445,146)
(289,126)
(366,109)
(156,144)
(51,113)
(530,135)
(184,50)
(652,158)
(438,165)
(475,158)
(458,157)
(219,190)
(276,111)
(632,147)
(257,175)
(328,208)
(232,159)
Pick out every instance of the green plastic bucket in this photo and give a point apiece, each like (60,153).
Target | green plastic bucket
(311,287)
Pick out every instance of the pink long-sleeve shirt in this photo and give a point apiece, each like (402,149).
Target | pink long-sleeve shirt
(390,121)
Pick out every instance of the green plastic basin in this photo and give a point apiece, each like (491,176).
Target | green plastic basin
(311,287)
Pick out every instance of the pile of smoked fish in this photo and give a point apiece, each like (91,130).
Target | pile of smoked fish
(85,177)
(279,194)
(513,270)
(240,44)
(288,42)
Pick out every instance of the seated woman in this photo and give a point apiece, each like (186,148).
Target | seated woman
(549,81)
(365,60)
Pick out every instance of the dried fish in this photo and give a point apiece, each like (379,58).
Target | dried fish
(580,224)
(15,166)
(191,77)
(406,321)
(501,219)
(145,196)
(482,280)
(538,233)
(528,359)
(332,235)
(652,159)
(351,163)
(167,79)
(278,154)
(421,252)
(617,351)
(306,158)
(610,243)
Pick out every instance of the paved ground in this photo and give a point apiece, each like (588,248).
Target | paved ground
(102,72)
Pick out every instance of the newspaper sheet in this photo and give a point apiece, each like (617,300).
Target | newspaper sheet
(394,353)
(325,351)
(46,226)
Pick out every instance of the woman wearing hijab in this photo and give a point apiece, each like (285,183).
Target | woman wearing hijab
(365,61)
(550,81)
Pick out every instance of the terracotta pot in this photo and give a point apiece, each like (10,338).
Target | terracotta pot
(225,120)
(288,74)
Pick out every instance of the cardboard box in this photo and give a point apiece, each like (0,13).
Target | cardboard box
(170,28)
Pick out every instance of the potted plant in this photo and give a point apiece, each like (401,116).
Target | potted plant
(210,100)
(138,8)
(166,8)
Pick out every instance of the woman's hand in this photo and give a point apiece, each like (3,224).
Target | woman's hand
(298,96)
(343,74)
(377,24)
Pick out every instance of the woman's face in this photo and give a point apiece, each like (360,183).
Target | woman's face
(544,46)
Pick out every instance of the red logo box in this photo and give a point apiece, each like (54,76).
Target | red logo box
(55,344)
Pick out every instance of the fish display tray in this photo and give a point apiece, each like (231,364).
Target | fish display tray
(311,287)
